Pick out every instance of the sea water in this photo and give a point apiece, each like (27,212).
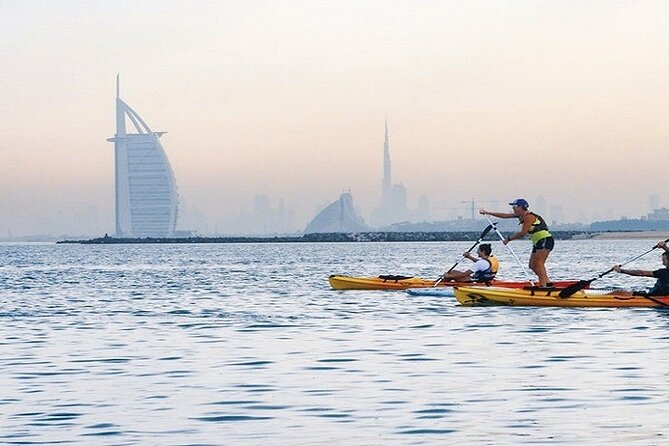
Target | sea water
(228,344)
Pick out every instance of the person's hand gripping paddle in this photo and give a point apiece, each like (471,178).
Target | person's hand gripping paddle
(483,234)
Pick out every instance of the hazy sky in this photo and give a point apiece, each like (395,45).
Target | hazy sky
(568,100)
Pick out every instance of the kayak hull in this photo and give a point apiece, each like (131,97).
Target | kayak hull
(529,297)
(377,283)
(431,291)
(339,282)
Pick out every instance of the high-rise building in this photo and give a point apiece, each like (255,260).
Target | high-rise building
(387,182)
(393,205)
(145,189)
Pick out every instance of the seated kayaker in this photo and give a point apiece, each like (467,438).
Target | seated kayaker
(661,287)
(483,269)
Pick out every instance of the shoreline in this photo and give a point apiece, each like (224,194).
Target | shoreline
(352,237)
(371,237)
(620,235)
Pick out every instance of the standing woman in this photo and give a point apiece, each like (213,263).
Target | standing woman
(535,226)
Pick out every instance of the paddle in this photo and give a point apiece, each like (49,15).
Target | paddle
(483,234)
(494,225)
(581,284)
(657,301)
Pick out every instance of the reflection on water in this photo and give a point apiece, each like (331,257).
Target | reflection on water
(246,344)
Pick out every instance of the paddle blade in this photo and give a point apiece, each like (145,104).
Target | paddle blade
(485,232)
(575,288)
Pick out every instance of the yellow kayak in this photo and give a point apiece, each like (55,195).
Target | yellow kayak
(404,282)
(548,297)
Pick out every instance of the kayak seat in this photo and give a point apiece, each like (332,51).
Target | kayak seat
(394,278)
(548,289)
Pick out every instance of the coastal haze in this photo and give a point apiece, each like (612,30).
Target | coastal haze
(283,106)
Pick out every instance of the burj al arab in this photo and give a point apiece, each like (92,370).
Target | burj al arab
(145,189)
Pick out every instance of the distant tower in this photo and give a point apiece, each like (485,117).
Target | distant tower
(387,184)
(393,205)
(146,192)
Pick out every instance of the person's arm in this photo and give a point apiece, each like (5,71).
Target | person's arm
(528,219)
(663,245)
(632,272)
(497,214)
(470,257)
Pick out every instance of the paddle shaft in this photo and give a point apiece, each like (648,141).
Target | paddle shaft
(629,261)
(494,225)
(470,249)
(599,276)
(657,301)
(483,234)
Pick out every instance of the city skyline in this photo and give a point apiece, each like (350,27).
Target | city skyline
(487,101)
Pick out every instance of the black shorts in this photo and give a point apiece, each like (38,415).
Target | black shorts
(545,243)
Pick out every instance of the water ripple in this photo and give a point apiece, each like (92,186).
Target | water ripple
(173,344)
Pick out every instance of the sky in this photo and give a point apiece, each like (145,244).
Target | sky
(563,103)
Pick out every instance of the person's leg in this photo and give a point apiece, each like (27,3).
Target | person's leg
(448,277)
(457,276)
(533,262)
(538,265)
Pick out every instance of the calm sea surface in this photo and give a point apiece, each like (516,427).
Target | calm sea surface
(229,344)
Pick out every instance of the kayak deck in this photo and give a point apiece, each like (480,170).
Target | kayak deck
(380,283)
(340,282)
(545,297)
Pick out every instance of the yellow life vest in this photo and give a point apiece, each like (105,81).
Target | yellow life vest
(539,229)
(488,274)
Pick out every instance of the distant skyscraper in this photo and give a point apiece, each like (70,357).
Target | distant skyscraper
(387,182)
(393,205)
(146,192)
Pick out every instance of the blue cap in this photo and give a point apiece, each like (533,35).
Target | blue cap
(520,202)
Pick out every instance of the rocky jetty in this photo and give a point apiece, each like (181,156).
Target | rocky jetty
(323,237)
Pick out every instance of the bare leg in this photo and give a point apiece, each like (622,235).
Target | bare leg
(456,276)
(447,278)
(538,265)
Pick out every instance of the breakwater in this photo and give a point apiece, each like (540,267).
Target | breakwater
(324,237)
